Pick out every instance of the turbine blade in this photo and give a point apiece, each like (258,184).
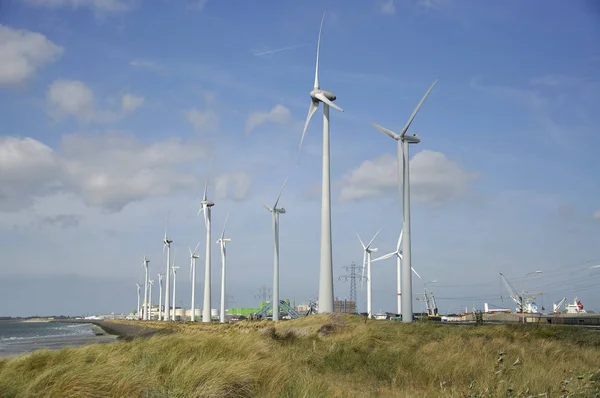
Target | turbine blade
(384,257)
(204,209)
(362,278)
(280,192)
(416,110)
(369,245)
(268,208)
(196,248)
(311,111)
(207,178)
(225,226)
(361,242)
(190,249)
(318,50)
(326,100)
(387,132)
(167,222)
(416,273)
(399,241)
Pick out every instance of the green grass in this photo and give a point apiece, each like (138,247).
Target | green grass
(319,356)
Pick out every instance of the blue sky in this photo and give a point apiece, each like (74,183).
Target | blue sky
(112,109)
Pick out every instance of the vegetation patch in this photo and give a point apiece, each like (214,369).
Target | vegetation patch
(318,356)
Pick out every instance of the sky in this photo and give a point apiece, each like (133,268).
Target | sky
(111,111)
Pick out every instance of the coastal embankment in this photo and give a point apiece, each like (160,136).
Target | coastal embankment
(128,330)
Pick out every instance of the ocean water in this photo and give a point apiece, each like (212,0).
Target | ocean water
(22,337)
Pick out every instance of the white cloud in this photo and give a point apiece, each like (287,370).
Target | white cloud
(72,98)
(141,63)
(388,7)
(23,52)
(131,102)
(28,169)
(233,185)
(434,178)
(108,170)
(597,215)
(203,120)
(431,4)
(95,5)
(279,115)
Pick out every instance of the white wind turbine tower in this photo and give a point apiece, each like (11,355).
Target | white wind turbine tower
(223,241)
(398,254)
(367,259)
(193,257)
(160,286)
(145,265)
(174,268)
(150,284)
(276,212)
(138,307)
(404,187)
(167,243)
(326,274)
(205,206)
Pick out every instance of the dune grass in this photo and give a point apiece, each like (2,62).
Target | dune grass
(319,356)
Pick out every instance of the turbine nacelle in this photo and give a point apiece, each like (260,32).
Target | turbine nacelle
(223,240)
(317,94)
(412,139)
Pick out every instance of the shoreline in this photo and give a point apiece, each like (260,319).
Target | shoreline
(104,332)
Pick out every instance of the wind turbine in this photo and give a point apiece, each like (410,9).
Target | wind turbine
(205,206)
(276,212)
(138,307)
(160,285)
(145,265)
(367,259)
(326,274)
(151,283)
(175,268)
(403,141)
(398,254)
(223,241)
(193,257)
(167,243)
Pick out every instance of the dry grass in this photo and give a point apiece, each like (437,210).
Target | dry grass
(319,356)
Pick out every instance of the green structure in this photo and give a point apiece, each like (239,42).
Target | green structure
(242,311)
(246,311)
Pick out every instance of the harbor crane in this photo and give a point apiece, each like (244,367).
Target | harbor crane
(524,303)
(556,307)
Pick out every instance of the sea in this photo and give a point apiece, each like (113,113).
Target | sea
(17,337)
